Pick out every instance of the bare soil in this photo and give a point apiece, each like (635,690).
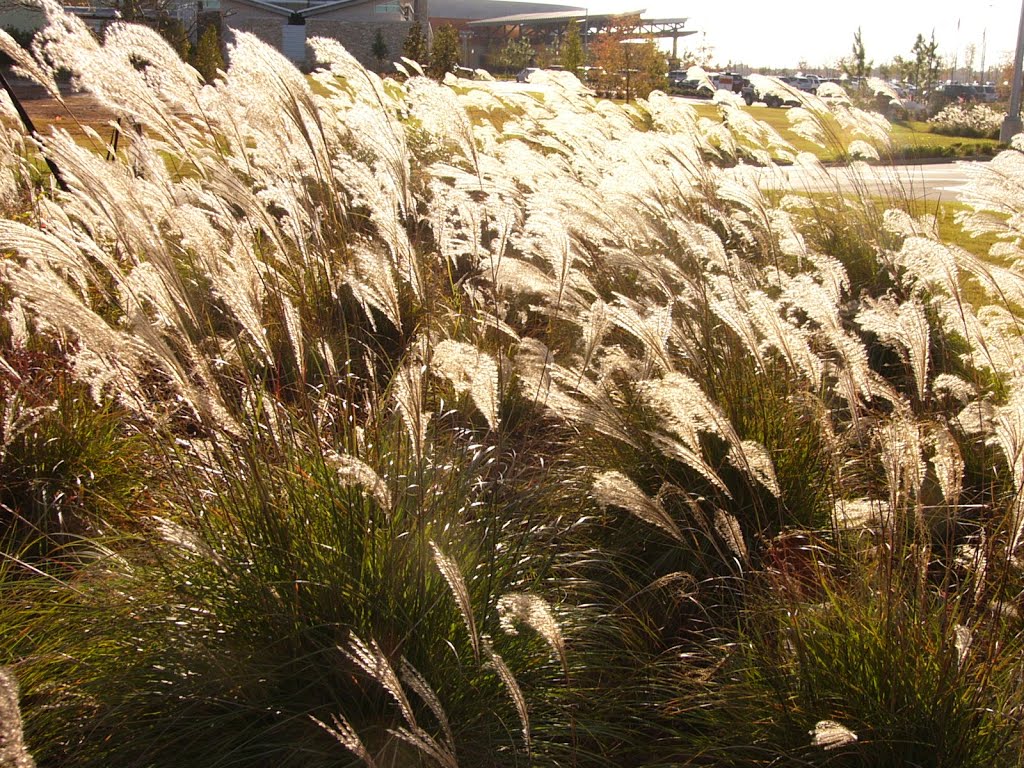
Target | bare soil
(79,109)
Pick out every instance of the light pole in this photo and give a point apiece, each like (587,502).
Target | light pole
(1011,123)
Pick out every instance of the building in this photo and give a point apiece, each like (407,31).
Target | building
(287,24)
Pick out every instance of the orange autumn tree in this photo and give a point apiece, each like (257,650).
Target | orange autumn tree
(632,67)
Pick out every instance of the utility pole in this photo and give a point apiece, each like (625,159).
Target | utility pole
(1011,123)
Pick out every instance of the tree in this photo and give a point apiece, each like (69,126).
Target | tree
(572,49)
(926,62)
(857,65)
(444,54)
(969,53)
(208,58)
(630,68)
(173,31)
(703,55)
(414,47)
(379,49)
(516,54)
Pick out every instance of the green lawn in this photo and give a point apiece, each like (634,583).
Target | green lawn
(912,140)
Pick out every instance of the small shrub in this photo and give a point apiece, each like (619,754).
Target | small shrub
(973,121)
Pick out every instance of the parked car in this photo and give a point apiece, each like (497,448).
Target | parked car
(729,81)
(950,92)
(771,99)
(806,83)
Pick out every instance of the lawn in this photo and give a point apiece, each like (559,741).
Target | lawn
(911,140)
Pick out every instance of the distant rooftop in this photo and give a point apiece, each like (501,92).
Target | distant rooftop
(485,9)
(554,17)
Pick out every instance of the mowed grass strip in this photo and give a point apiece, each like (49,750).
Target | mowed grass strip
(911,139)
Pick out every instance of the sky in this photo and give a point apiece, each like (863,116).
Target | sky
(782,33)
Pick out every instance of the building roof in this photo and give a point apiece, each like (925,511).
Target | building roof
(485,9)
(553,17)
(288,7)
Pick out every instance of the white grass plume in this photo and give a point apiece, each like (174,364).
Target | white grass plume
(352,471)
(828,734)
(372,660)
(347,736)
(13,752)
(903,326)
(728,527)
(418,684)
(407,387)
(535,612)
(614,489)
(470,370)
(514,691)
(947,461)
(460,591)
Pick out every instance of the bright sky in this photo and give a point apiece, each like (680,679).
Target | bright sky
(782,33)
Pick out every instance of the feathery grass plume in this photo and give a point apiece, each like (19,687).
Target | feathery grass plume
(954,387)
(137,74)
(509,274)
(1007,433)
(373,661)
(346,735)
(687,411)
(752,457)
(1002,284)
(427,744)
(848,514)
(756,137)
(807,125)
(651,328)
(995,191)
(170,78)
(962,639)
(450,570)
(184,539)
(353,471)
(614,489)
(947,461)
(27,66)
(419,685)
(903,326)
(926,263)
(469,370)
(514,691)
(535,612)
(828,734)
(728,527)
(13,752)
(437,110)
(373,284)
(789,340)
(408,397)
(862,150)
(899,443)
(568,393)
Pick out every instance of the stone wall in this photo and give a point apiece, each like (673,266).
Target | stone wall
(358,37)
(244,18)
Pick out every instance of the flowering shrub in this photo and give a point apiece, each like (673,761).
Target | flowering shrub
(975,121)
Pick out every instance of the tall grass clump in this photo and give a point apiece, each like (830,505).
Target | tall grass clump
(417,423)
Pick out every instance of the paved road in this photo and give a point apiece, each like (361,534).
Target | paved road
(940,181)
